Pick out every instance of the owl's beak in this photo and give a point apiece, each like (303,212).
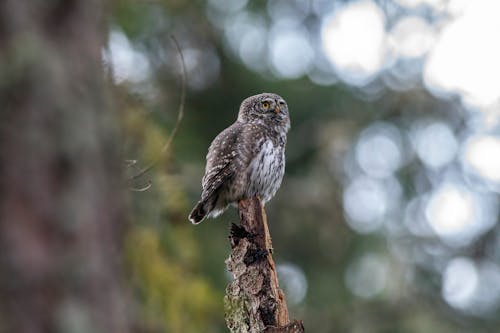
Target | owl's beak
(277,109)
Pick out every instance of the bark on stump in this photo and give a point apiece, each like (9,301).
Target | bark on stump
(254,303)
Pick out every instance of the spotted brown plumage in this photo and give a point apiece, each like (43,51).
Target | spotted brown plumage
(247,158)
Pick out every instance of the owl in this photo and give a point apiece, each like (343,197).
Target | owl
(247,158)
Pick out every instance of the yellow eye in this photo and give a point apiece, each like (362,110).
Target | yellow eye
(265,105)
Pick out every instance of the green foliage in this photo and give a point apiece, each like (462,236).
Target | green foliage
(174,297)
(163,256)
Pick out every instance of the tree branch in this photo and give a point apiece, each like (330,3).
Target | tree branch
(254,302)
(180,115)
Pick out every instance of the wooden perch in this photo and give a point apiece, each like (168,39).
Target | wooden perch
(254,303)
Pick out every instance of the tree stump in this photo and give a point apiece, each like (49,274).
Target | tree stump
(254,303)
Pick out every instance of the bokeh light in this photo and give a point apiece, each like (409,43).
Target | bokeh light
(459,215)
(246,35)
(417,3)
(472,287)
(435,143)
(379,150)
(414,218)
(482,157)
(465,58)
(367,276)
(411,37)
(353,38)
(252,47)
(295,10)
(366,204)
(460,280)
(293,282)
(127,62)
(487,294)
(284,38)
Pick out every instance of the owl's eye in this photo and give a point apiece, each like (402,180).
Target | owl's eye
(265,105)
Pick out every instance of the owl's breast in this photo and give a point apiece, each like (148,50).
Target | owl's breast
(266,171)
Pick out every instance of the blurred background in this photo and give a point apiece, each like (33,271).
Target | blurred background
(387,219)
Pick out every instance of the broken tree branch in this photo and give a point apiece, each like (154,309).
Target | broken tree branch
(254,303)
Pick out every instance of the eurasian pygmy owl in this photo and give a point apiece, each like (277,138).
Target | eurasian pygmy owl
(247,158)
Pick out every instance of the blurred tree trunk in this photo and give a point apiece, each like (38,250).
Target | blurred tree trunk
(60,204)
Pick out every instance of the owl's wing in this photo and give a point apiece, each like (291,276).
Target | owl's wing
(222,160)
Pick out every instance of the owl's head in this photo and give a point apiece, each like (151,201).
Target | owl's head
(268,108)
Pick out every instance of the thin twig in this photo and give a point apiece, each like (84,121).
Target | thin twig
(180,115)
(144,188)
(132,164)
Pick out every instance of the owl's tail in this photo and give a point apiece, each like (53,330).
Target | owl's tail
(198,213)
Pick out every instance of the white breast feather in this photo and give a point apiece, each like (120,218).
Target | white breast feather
(266,171)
